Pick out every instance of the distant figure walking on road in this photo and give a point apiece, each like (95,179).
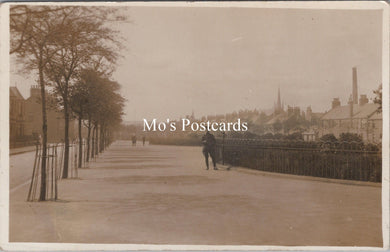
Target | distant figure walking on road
(143,140)
(134,140)
(209,142)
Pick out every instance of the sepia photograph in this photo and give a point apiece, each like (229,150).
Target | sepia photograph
(189,125)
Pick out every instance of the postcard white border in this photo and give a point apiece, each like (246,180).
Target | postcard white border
(4,121)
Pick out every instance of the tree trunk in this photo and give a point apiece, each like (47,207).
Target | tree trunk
(101,139)
(66,154)
(93,142)
(96,139)
(106,136)
(80,143)
(42,195)
(104,139)
(88,138)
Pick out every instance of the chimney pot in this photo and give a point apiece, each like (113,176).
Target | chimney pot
(363,100)
(335,103)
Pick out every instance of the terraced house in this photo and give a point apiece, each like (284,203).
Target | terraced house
(363,119)
(17,115)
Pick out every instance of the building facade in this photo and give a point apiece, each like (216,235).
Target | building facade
(55,119)
(17,115)
(362,119)
(357,117)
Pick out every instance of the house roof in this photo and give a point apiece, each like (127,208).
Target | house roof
(317,114)
(359,111)
(376,116)
(14,92)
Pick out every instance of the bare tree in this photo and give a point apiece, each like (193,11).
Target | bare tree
(32,30)
(23,20)
(94,98)
(103,107)
(56,41)
(78,102)
(84,39)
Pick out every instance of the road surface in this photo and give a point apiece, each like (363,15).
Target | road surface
(164,195)
(21,166)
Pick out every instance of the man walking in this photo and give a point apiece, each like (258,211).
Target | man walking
(209,143)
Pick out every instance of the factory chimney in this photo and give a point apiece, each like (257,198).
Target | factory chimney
(354,86)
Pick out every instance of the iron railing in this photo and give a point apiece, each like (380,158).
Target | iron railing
(337,160)
(54,166)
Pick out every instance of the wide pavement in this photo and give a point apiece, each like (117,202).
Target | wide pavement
(163,195)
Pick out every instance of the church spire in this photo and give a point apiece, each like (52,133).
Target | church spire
(278,105)
(279,102)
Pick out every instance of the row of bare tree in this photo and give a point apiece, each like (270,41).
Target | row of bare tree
(73,50)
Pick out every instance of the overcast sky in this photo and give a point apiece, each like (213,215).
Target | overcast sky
(217,60)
